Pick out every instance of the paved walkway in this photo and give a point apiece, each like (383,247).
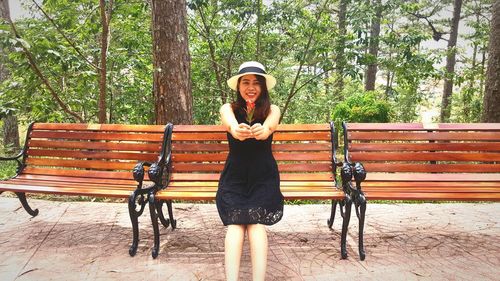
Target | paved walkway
(89,241)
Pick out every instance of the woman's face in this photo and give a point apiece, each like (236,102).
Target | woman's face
(249,87)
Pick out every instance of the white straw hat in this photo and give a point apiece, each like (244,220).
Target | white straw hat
(251,67)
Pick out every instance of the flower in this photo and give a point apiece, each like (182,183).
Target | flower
(250,110)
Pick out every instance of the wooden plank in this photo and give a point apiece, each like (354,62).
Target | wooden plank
(79,180)
(79,173)
(392,136)
(151,137)
(115,193)
(122,146)
(439,177)
(90,164)
(280,156)
(460,146)
(100,127)
(213,167)
(420,126)
(283,184)
(278,136)
(94,154)
(433,196)
(424,156)
(418,184)
(431,168)
(289,195)
(450,189)
(213,147)
(283,176)
(281,127)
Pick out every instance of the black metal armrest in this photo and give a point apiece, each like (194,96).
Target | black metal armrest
(138,172)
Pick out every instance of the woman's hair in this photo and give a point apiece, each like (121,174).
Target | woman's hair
(262,104)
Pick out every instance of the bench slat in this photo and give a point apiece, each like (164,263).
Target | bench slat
(290,195)
(209,147)
(424,156)
(460,196)
(90,164)
(151,137)
(94,154)
(284,176)
(439,177)
(78,173)
(281,127)
(421,136)
(210,167)
(436,168)
(100,127)
(280,156)
(278,136)
(405,147)
(86,191)
(150,147)
(76,179)
(421,126)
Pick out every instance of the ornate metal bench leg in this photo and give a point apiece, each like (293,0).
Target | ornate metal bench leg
(154,222)
(362,209)
(332,214)
(171,215)
(345,226)
(159,210)
(135,224)
(26,206)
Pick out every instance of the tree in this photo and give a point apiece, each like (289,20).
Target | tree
(371,70)
(340,59)
(450,63)
(171,61)
(491,101)
(10,124)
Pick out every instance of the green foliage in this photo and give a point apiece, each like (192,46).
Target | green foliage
(363,107)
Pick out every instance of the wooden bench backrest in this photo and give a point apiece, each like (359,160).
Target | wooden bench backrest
(303,152)
(107,151)
(426,148)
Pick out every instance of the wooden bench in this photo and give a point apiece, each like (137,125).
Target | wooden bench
(305,156)
(87,160)
(452,162)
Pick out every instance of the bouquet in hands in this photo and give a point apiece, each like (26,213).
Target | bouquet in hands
(250,110)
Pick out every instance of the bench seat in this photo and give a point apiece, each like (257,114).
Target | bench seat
(86,160)
(404,161)
(305,154)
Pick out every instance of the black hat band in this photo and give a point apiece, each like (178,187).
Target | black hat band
(252,69)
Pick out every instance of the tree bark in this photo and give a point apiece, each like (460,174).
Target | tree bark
(340,60)
(10,124)
(171,60)
(105,18)
(491,99)
(450,63)
(371,71)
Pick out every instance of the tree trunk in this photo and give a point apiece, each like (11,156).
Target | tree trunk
(257,39)
(171,60)
(10,124)
(340,60)
(371,71)
(491,100)
(105,18)
(450,63)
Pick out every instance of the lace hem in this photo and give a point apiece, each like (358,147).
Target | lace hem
(252,216)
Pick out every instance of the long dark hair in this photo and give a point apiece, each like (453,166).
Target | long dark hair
(262,104)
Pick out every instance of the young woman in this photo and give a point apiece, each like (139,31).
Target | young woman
(249,196)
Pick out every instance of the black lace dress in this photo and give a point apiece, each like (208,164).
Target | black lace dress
(249,186)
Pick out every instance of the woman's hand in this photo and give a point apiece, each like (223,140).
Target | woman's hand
(260,132)
(241,131)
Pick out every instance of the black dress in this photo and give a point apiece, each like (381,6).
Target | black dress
(249,186)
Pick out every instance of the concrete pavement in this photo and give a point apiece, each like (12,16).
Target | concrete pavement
(89,241)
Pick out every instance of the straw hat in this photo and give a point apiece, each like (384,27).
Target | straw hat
(251,67)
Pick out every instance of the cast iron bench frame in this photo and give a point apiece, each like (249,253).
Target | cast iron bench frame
(415,161)
(87,160)
(190,176)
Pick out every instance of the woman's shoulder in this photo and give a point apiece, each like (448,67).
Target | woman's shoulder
(275,108)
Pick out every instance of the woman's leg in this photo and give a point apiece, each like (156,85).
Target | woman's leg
(235,236)
(257,237)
